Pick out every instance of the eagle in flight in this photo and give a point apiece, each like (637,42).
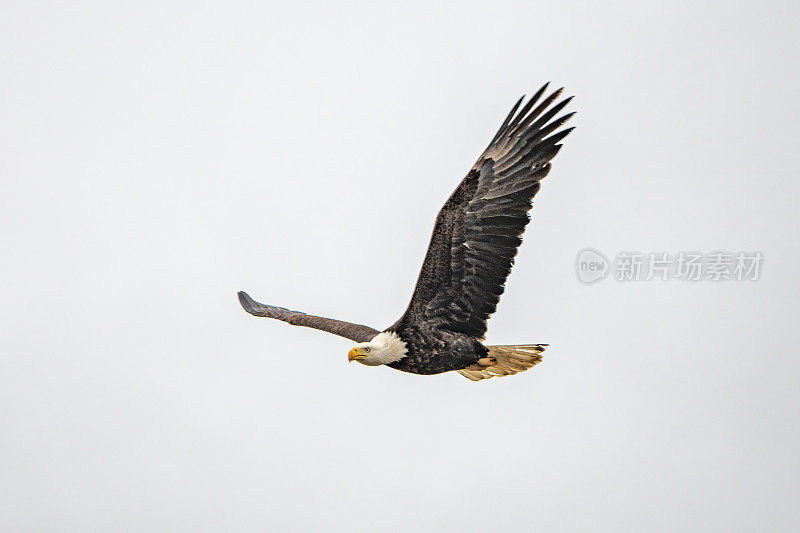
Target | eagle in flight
(475,239)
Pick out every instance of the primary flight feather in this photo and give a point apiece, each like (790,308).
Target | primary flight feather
(475,239)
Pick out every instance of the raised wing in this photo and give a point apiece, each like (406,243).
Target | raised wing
(355,332)
(479,228)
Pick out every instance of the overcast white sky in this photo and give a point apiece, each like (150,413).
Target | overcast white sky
(156,159)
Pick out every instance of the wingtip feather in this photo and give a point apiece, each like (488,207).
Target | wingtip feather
(247,303)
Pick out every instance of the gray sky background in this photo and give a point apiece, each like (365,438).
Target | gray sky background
(156,159)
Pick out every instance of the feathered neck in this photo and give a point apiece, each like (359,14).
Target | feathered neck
(390,347)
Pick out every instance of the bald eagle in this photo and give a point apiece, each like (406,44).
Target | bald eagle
(475,239)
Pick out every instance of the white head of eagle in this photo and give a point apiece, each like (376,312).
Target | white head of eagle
(383,349)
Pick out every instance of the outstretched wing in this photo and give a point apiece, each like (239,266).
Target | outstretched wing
(355,332)
(479,228)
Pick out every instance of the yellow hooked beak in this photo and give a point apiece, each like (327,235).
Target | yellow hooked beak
(353,354)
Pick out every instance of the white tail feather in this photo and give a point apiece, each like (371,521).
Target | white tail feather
(505,360)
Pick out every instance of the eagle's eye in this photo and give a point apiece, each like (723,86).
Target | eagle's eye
(366,349)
